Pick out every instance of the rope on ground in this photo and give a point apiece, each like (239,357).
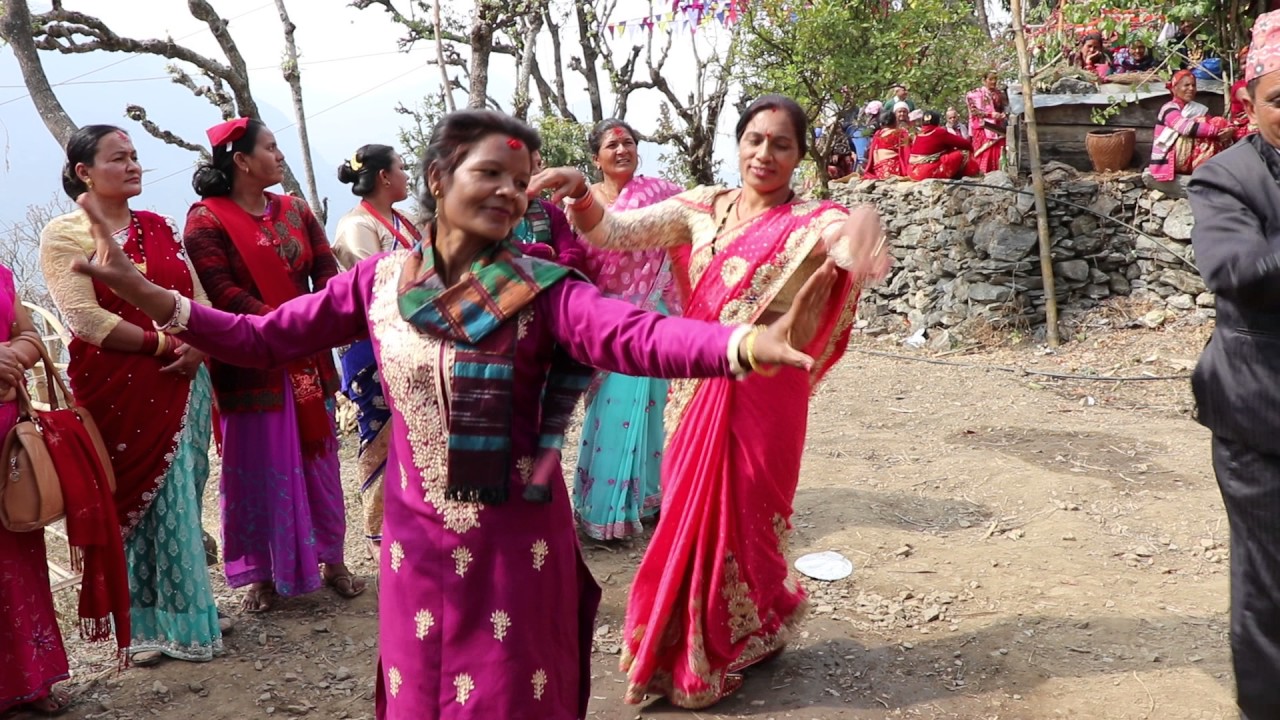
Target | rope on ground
(1023,371)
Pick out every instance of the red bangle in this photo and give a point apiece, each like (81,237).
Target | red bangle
(150,342)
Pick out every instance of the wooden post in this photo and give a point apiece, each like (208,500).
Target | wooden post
(1037,174)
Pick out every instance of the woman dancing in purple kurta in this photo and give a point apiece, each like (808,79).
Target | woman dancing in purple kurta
(486,604)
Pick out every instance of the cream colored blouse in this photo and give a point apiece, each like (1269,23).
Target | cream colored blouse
(64,240)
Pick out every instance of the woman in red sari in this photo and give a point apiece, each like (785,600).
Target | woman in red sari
(887,154)
(987,121)
(150,397)
(31,650)
(936,153)
(713,594)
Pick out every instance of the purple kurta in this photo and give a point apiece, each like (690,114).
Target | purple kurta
(486,610)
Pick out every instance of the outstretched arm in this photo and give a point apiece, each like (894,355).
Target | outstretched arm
(617,336)
(299,328)
(661,225)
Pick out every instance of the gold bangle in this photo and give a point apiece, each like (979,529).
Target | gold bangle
(756,367)
(162,344)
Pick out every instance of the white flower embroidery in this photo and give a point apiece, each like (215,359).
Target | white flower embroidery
(540,552)
(394,681)
(465,686)
(423,620)
(397,555)
(501,622)
(461,559)
(539,683)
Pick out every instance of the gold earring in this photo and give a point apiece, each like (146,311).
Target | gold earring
(88,182)
(435,192)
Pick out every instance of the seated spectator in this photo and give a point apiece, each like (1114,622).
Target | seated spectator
(902,116)
(1185,135)
(898,94)
(914,118)
(1091,56)
(955,125)
(887,154)
(1239,93)
(1135,58)
(937,153)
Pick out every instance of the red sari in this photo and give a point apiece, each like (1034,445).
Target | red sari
(140,428)
(713,593)
(887,154)
(938,154)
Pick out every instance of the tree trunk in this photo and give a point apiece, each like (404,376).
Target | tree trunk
(980,11)
(445,87)
(523,99)
(481,50)
(293,75)
(15,28)
(590,58)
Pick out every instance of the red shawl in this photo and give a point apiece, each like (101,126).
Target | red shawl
(91,529)
(139,409)
(271,277)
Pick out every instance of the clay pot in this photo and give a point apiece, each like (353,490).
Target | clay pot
(1110,150)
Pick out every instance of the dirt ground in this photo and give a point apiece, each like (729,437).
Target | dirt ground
(1024,547)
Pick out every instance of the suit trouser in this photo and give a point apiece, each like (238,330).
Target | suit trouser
(1250,485)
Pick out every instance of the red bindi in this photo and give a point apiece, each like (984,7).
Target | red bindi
(619,134)
(122,134)
(514,144)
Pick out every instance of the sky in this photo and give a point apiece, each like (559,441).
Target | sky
(353,76)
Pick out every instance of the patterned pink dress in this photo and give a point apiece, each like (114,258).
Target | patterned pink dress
(31,654)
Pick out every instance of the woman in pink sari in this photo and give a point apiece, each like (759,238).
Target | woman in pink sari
(31,650)
(713,594)
(616,484)
(987,122)
(486,608)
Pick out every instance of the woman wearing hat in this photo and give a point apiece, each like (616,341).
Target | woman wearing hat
(283,512)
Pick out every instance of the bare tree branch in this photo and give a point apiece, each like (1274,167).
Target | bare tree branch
(138,114)
(293,75)
(15,29)
(215,92)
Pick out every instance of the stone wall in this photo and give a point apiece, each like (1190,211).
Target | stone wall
(967,251)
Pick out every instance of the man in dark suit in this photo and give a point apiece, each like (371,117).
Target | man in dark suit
(1236,201)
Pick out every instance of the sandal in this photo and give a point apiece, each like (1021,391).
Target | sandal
(57,702)
(344,583)
(146,658)
(260,598)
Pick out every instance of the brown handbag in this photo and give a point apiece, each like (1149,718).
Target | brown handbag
(30,492)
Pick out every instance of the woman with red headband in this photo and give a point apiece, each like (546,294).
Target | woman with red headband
(486,608)
(1185,135)
(283,514)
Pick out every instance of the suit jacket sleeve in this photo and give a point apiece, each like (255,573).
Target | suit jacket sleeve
(1236,257)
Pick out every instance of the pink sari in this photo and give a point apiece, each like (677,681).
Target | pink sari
(642,277)
(31,652)
(713,593)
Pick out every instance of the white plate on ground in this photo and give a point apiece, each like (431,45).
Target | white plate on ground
(827,565)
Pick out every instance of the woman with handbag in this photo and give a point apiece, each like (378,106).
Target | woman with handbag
(31,650)
(150,397)
(284,519)
(486,608)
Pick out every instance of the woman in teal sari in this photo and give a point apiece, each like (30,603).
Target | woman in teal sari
(616,483)
(149,394)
